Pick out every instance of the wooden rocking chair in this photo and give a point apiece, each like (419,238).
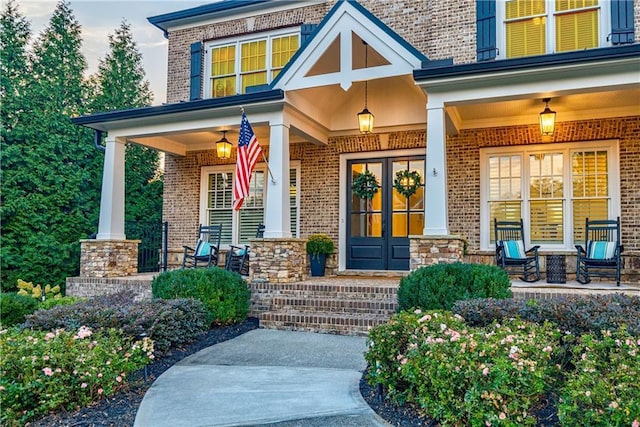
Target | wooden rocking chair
(511,254)
(237,258)
(600,255)
(206,252)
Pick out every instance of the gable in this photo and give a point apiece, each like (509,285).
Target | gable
(334,54)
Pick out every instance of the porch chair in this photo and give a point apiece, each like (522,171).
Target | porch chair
(206,252)
(600,255)
(237,258)
(511,254)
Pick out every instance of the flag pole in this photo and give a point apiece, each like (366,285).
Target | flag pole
(273,180)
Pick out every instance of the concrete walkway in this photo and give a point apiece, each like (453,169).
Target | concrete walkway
(264,377)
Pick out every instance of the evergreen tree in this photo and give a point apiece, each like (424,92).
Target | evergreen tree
(48,203)
(119,84)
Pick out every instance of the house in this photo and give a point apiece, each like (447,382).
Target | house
(456,89)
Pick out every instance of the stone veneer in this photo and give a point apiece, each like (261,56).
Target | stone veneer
(108,258)
(276,260)
(430,250)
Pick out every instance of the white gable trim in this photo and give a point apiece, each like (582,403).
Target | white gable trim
(340,24)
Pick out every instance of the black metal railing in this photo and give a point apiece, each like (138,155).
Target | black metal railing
(152,251)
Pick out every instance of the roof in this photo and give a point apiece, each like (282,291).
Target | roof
(529,62)
(181,107)
(212,10)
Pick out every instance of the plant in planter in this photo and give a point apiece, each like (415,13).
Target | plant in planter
(318,247)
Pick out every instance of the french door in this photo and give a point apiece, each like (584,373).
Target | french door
(378,228)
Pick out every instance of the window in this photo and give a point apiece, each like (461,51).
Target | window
(552,187)
(536,27)
(216,202)
(234,66)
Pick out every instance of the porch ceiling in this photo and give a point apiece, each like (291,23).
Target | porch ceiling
(582,106)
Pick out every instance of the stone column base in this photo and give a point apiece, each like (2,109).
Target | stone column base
(277,260)
(430,250)
(108,258)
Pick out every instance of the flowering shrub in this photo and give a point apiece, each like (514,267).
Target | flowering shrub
(43,371)
(462,375)
(603,389)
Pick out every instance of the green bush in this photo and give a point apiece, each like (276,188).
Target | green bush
(579,314)
(52,302)
(439,286)
(168,323)
(603,388)
(224,294)
(14,308)
(45,371)
(461,375)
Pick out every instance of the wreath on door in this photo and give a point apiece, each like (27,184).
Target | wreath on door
(407,182)
(365,185)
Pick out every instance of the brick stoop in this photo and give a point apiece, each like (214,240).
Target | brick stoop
(338,305)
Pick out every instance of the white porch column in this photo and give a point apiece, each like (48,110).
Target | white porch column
(277,209)
(111,225)
(435,207)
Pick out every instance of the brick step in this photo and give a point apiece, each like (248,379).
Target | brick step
(343,304)
(327,290)
(342,324)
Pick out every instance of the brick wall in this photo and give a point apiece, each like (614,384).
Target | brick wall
(437,29)
(463,167)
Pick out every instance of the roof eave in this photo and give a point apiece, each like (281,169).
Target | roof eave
(94,120)
(531,62)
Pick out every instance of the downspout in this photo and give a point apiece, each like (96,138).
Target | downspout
(97,137)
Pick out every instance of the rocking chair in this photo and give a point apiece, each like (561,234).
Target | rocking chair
(510,252)
(206,252)
(237,259)
(600,255)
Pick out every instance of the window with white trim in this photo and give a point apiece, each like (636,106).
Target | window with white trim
(232,66)
(552,187)
(239,227)
(537,27)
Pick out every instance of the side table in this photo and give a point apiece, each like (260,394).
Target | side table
(556,269)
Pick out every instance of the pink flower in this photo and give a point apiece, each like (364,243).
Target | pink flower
(502,416)
(487,423)
(99,375)
(83,332)
(547,349)
(635,423)
(485,371)
(49,336)
(587,393)
(424,318)
(58,370)
(119,378)
(100,391)
(45,357)
(47,371)
(404,361)
(83,385)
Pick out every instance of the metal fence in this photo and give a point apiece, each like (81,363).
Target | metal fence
(152,251)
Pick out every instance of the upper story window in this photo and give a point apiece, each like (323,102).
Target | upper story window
(537,27)
(232,66)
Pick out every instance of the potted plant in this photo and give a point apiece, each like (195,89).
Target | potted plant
(318,247)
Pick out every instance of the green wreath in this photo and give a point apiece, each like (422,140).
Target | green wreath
(365,185)
(407,182)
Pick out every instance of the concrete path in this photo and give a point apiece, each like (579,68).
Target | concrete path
(264,377)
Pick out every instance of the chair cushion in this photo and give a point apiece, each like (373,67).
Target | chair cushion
(601,249)
(241,252)
(514,249)
(203,248)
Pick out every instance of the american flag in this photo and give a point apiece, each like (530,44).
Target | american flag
(248,152)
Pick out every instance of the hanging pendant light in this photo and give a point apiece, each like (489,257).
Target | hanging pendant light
(223,147)
(365,117)
(547,119)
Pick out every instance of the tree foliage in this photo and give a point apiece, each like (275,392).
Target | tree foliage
(51,170)
(120,84)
